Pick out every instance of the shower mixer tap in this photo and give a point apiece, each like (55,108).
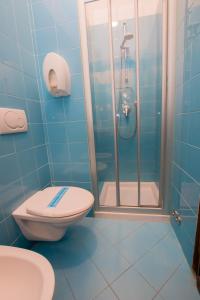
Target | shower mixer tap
(125,109)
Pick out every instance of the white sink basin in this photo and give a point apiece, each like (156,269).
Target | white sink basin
(25,275)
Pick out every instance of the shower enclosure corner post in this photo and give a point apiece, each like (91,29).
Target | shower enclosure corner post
(171,82)
(88,100)
(163,162)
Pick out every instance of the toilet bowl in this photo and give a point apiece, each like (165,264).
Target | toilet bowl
(46,215)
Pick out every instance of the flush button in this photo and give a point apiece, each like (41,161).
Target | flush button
(12,121)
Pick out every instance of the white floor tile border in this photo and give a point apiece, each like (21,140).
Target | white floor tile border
(133,216)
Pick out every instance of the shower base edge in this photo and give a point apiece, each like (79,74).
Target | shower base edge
(129,194)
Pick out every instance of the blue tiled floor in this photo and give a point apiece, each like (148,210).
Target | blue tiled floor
(106,259)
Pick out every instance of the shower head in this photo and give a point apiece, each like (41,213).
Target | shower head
(127,37)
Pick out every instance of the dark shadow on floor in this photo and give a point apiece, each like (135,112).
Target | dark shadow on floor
(76,247)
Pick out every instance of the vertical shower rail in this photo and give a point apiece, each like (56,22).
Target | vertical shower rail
(115,116)
(137,45)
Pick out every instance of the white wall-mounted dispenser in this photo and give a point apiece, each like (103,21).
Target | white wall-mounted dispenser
(56,75)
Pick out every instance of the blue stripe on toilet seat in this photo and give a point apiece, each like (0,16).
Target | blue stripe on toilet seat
(54,202)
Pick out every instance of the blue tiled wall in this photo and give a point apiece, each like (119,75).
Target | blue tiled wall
(185,182)
(23,157)
(56,28)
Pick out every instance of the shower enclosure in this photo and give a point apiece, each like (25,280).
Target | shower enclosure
(124,53)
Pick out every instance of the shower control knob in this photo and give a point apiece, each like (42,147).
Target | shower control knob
(125,109)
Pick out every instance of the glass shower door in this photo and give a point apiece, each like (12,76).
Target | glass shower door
(96,13)
(150,43)
(137,41)
(123,34)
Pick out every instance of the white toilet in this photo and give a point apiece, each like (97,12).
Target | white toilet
(46,215)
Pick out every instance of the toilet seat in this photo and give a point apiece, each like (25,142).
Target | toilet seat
(67,201)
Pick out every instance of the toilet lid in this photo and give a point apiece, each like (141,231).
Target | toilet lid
(57,202)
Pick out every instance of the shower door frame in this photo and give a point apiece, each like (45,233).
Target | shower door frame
(89,113)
